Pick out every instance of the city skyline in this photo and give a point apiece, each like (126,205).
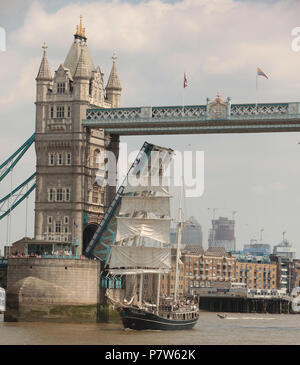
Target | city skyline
(244,173)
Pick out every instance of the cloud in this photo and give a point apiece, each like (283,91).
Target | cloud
(216,42)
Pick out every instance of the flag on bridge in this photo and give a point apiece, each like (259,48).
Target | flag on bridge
(184,81)
(261,73)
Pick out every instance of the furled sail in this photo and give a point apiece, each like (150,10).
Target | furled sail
(157,229)
(144,183)
(140,257)
(157,205)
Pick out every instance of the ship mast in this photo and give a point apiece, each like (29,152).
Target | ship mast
(179,231)
(158,293)
(141,281)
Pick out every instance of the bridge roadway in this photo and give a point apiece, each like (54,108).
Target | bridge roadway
(215,117)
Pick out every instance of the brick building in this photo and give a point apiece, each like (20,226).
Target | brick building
(196,270)
(297,274)
(257,275)
(201,271)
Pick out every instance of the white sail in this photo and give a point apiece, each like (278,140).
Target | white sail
(159,206)
(157,229)
(140,257)
(143,223)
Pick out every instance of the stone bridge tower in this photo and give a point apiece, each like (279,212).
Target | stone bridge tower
(69,203)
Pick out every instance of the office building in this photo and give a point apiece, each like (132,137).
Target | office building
(222,234)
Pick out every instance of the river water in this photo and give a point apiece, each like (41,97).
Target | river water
(236,329)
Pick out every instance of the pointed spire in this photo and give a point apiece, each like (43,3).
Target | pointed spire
(82,65)
(114,81)
(44,71)
(80,31)
(74,53)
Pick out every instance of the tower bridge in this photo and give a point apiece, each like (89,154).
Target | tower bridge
(77,117)
(215,117)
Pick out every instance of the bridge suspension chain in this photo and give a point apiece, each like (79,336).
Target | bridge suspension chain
(17,195)
(11,162)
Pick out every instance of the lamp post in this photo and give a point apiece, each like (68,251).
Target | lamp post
(75,245)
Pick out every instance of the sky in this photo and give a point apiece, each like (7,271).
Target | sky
(219,44)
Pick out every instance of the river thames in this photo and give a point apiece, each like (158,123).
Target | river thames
(236,329)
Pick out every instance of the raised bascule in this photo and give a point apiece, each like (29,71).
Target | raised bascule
(77,117)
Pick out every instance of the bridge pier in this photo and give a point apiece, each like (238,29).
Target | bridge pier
(280,307)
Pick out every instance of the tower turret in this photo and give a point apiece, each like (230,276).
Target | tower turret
(113,87)
(81,77)
(44,77)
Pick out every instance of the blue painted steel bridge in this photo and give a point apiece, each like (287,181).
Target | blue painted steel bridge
(215,117)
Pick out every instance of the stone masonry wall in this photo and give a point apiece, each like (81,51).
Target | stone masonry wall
(52,288)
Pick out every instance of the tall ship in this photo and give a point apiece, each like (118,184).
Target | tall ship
(142,247)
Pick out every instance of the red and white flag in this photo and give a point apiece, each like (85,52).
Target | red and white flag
(184,81)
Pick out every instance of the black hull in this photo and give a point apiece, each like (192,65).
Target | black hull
(138,319)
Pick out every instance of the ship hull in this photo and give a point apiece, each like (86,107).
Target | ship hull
(138,319)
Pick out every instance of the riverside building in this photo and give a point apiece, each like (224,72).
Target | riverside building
(285,272)
(203,271)
(297,274)
(256,275)
(197,269)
